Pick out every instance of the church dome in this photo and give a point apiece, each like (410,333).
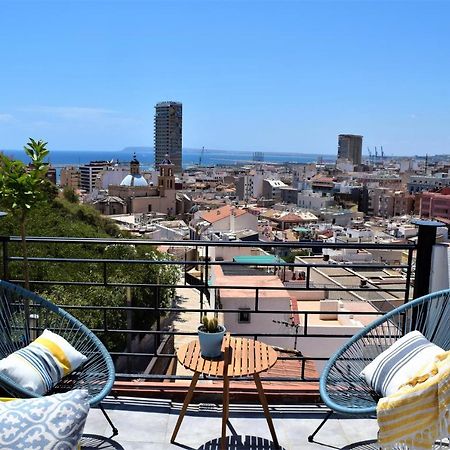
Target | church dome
(134,180)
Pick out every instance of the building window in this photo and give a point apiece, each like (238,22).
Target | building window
(244,315)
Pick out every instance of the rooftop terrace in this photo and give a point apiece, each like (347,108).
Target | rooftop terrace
(147,397)
(147,424)
(172,312)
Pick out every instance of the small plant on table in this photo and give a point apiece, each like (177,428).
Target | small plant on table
(210,334)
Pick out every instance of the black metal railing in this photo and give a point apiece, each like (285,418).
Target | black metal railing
(201,273)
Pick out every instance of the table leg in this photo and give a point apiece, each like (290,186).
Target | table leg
(226,391)
(226,405)
(263,400)
(187,400)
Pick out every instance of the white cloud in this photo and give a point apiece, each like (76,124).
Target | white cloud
(4,118)
(80,116)
(71,112)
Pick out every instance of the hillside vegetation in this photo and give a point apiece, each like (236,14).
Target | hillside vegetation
(60,218)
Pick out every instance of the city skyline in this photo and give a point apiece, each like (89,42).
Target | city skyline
(254,76)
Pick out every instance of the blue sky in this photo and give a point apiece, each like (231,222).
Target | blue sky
(252,75)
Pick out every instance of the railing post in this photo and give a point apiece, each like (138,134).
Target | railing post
(5,257)
(129,326)
(5,240)
(158,317)
(105,274)
(207,273)
(425,241)
(185,265)
(202,273)
(408,274)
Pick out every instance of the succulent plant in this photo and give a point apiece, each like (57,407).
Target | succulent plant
(210,325)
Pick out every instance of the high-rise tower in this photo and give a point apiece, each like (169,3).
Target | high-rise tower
(350,147)
(168,133)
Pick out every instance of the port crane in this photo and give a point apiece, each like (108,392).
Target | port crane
(370,155)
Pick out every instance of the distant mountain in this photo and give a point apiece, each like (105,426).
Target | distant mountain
(138,149)
(143,149)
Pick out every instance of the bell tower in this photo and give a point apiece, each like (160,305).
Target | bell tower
(134,166)
(166,178)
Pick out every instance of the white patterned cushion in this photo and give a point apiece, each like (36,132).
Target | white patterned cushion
(400,362)
(54,422)
(40,365)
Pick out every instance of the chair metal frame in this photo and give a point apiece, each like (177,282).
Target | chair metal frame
(23,317)
(343,389)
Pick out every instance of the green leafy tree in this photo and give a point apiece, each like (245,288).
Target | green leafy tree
(290,258)
(59,217)
(70,195)
(23,188)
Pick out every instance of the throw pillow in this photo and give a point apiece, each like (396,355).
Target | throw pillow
(392,368)
(40,365)
(52,422)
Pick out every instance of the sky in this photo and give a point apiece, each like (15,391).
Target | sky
(285,76)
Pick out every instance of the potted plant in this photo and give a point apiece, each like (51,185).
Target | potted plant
(210,335)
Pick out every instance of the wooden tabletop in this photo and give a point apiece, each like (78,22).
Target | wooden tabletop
(247,357)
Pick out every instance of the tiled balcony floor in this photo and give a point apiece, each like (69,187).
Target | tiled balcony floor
(146,424)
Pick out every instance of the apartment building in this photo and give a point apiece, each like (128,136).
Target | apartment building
(272,189)
(313,200)
(70,176)
(421,183)
(435,204)
(385,202)
(89,173)
(168,135)
(350,148)
(249,186)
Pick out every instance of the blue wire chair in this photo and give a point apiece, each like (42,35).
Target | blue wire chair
(23,317)
(343,390)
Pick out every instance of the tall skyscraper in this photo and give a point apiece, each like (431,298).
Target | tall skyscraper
(168,133)
(350,147)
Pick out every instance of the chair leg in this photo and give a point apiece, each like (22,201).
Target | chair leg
(114,429)
(311,437)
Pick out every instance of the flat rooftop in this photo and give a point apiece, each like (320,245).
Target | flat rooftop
(147,424)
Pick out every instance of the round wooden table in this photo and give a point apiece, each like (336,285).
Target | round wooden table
(240,358)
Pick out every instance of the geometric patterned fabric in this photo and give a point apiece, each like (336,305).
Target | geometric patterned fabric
(54,422)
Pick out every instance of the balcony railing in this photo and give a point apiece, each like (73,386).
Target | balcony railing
(358,284)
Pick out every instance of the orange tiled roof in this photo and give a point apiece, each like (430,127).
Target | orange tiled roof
(291,217)
(220,213)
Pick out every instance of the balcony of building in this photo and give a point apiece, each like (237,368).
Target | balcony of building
(305,309)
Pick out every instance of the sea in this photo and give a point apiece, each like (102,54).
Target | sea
(191,157)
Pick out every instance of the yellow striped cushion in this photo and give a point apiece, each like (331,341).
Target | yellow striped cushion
(40,365)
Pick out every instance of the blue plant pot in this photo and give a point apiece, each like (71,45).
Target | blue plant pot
(211,343)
